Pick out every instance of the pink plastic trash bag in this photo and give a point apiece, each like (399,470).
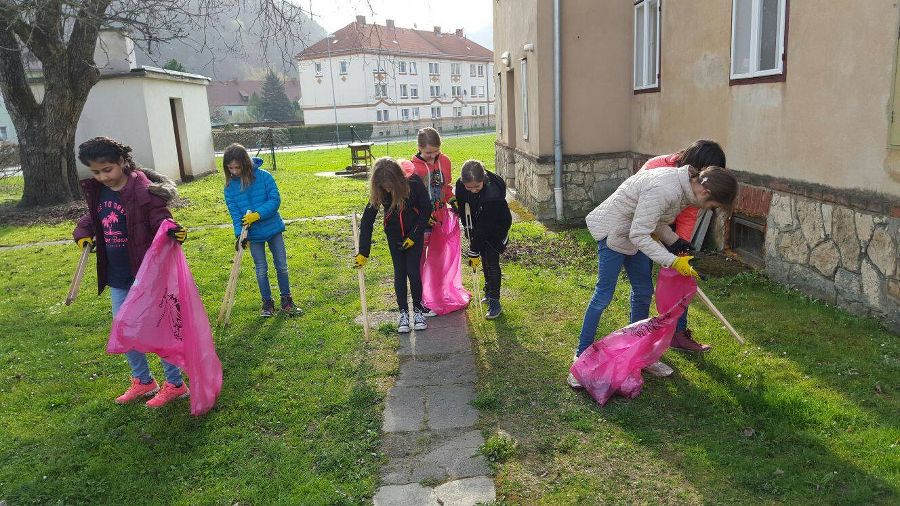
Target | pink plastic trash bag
(163,314)
(613,364)
(442,288)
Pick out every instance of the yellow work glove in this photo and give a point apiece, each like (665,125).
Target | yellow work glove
(407,243)
(359,261)
(85,242)
(250,219)
(683,266)
(178,233)
(474,262)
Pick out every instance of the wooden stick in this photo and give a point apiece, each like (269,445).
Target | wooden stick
(469,230)
(718,315)
(231,288)
(79,273)
(362,281)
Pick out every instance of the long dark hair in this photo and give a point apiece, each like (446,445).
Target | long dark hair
(106,150)
(721,183)
(701,154)
(238,153)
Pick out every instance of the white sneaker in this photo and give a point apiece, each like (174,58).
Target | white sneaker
(659,369)
(572,382)
(428,312)
(403,323)
(419,321)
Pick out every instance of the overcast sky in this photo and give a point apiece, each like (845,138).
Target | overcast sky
(475,17)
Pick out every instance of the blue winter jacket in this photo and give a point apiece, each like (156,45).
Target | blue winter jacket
(262,197)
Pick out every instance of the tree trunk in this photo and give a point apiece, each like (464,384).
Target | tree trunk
(47,153)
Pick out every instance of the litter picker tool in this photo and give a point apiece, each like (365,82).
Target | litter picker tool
(719,315)
(362,280)
(476,293)
(228,300)
(79,273)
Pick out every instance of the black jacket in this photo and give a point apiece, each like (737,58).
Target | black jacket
(490,213)
(398,226)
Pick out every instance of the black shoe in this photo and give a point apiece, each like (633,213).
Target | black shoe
(494,309)
(268,308)
(288,307)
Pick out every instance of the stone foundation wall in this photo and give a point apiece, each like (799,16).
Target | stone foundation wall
(844,256)
(587,180)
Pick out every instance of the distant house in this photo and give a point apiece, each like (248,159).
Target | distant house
(397,77)
(803,98)
(233,97)
(7,130)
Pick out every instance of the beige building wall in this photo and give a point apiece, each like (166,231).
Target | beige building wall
(526,22)
(827,123)
(596,76)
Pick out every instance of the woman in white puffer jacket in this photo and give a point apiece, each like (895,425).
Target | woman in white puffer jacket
(646,203)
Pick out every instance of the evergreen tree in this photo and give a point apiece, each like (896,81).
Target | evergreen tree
(274,104)
(173,64)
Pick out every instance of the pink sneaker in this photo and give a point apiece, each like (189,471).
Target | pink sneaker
(137,389)
(168,394)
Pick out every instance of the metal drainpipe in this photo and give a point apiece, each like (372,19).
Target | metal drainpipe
(557,124)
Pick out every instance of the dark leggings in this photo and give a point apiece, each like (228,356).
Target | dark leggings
(406,266)
(490,263)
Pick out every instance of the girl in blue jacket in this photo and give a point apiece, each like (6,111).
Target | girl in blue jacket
(252,199)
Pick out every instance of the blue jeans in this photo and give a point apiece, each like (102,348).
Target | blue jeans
(279,258)
(610,263)
(137,360)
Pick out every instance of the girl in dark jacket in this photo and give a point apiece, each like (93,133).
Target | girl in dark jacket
(406,211)
(122,219)
(485,194)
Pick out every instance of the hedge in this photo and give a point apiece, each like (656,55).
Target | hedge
(290,136)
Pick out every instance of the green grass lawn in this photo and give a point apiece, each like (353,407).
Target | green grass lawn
(303,193)
(806,412)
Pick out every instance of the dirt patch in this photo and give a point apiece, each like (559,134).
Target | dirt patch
(550,251)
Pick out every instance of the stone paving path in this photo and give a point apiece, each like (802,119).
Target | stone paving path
(429,431)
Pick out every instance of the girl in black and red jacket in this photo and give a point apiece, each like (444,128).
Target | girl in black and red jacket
(485,193)
(406,211)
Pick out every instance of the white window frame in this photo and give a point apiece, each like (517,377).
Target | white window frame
(472,70)
(480,69)
(523,86)
(641,46)
(412,68)
(415,113)
(481,111)
(4,133)
(413,91)
(404,114)
(473,91)
(435,91)
(434,68)
(401,68)
(457,112)
(481,91)
(381,90)
(433,115)
(404,91)
(755,42)
(344,66)
(474,110)
(454,69)
(317,67)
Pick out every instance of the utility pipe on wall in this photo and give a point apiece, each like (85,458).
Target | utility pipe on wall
(557,126)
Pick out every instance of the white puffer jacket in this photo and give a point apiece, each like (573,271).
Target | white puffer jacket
(645,203)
